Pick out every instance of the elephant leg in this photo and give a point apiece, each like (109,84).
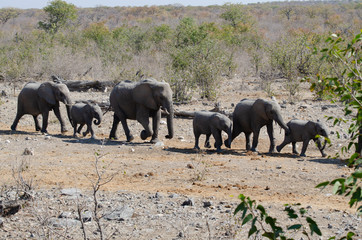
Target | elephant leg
(207,141)
(45,116)
(80,127)
(197,137)
(155,126)
(270,130)
(63,129)
(236,131)
(216,133)
(75,129)
(37,127)
(304,148)
(16,121)
(144,120)
(112,134)
(247,141)
(255,140)
(319,145)
(294,147)
(90,129)
(282,145)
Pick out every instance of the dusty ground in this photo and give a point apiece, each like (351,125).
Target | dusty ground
(60,162)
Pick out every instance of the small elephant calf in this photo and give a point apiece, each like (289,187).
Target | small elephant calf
(83,113)
(212,123)
(304,131)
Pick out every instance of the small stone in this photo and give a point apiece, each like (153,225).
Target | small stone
(1,222)
(173,195)
(158,195)
(180,138)
(47,137)
(28,138)
(65,215)
(132,150)
(71,192)
(188,202)
(3,93)
(330,226)
(7,141)
(28,151)
(207,204)
(64,222)
(87,216)
(162,122)
(279,167)
(181,234)
(159,144)
(120,214)
(189,165)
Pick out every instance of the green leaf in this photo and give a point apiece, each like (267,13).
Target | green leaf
(313,226)
(336,187)
(323,184)
(261,209)
(253,228)
(350,235)
(247,219)
(357,174)
(295,226)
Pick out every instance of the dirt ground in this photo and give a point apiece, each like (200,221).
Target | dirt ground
(61,161)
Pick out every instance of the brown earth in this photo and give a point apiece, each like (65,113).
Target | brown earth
(274,179)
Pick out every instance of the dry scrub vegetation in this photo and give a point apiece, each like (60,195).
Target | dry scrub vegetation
(207,54)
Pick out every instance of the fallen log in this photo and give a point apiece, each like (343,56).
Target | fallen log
(82,86)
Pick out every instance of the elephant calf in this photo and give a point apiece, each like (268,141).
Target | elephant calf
(304,131)
(212,123)
(83,113)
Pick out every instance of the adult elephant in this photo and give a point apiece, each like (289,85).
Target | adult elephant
(250,116)
(40,98)
(140,101)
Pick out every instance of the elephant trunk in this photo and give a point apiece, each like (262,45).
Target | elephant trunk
(98,119)
(169,108)
(68,107)
(278,118)
(324,144)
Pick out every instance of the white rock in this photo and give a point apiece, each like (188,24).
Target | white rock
(162,122)
(7,141)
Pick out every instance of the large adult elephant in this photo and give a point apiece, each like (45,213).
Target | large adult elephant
(250,116)
(140,101)
(40,98)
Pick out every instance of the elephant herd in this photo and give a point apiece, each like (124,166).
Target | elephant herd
(145,99)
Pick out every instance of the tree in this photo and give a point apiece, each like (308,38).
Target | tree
(8,13)
(59,13)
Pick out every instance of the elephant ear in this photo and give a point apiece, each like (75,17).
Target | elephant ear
(143,94)
(311,127)
(45,91)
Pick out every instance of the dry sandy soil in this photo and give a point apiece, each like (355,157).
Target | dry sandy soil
(60,162)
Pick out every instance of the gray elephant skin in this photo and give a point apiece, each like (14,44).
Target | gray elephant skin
(212,123)
(40,98)
(250,116)
(140,101)
(304,131)
(83,113)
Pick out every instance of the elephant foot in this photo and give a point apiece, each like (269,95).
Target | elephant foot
(44,131)
(296,152)
(227,144)
(271,150)
(253,150)
(279,148)
(218,150)
(302,155)
(84,134)
(324,155)
(129,138)
(207,145)
(197,148)
(13,128)
(144,135)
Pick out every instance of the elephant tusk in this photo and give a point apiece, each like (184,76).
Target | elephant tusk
(165,111)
